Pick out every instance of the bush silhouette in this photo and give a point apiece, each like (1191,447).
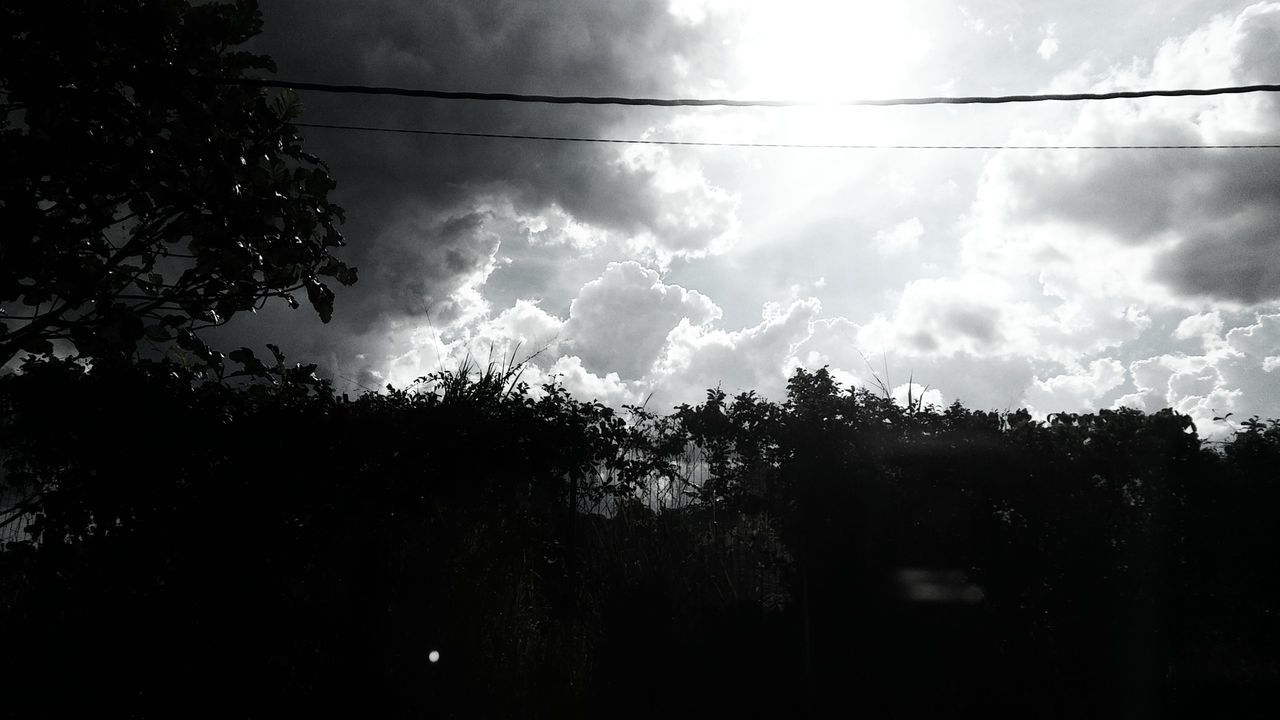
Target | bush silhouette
(275,546)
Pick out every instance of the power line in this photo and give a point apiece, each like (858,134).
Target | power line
(720,102)
(699,143)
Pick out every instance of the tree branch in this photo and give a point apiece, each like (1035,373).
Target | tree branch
(18,509)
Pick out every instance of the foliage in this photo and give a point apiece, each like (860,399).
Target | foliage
(306,550)
(142,202)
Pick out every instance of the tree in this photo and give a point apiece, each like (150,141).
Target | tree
(142,201)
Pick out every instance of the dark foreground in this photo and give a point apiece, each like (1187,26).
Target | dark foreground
(177,548)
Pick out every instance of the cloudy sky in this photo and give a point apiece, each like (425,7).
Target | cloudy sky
(1052,279)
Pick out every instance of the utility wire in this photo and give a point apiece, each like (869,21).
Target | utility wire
(698,143)
(696,102)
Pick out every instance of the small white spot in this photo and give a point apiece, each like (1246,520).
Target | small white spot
(434,656)
(1048,48)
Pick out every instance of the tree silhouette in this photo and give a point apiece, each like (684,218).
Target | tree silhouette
(275,546)
(141,201)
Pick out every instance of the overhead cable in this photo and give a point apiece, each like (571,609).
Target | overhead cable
(819,146)
(720,102)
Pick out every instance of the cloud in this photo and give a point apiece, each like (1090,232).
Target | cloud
(1201,225)
(903,237)
(527,323)
(759,358)
(915,394)
(691,218)
(636,270)
(435,267)
(628,336)
(1261,339)
(1049,45)
(945,316)
(427,216)
(609,388)
(1079,390)
(1237,372)
(1205,327)
(620,321)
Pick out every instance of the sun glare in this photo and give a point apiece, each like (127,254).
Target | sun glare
(827,49)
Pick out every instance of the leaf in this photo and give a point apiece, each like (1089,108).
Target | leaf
(243,356)
(190,342)
(286,105)
(348,275)
(187,340)
(275,351)
(305,374)
(333,238)
(252,365)
(36,345)
(158,333)
(321,298)
(141,204)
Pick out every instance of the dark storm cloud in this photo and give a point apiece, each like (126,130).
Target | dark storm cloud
(1223,208)
(413,201)
(1236,260)
(546,47)
(420,265)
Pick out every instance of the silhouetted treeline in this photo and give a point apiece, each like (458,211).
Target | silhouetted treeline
(206,549)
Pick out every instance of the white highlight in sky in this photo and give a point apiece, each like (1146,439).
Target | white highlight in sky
(827,49)
(433,656)
(903,237)
(1048,48)
(1049,45)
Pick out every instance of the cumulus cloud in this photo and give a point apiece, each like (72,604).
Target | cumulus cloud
(526,323)
(691,218)
(757,358)
(617,326)
(1066,255)
(427,216)
(620,321)
(1205,327)
(1261,339)
(1236,373)
(628,337)
(1199,224)
(1044,292)
(609,388)
(946,316)
(1078,390)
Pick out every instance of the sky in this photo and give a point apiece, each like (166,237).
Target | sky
(1057,280)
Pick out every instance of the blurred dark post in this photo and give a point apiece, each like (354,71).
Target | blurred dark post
(808,632)
(571,545)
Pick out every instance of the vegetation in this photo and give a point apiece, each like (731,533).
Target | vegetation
(140,201)
(268,547)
